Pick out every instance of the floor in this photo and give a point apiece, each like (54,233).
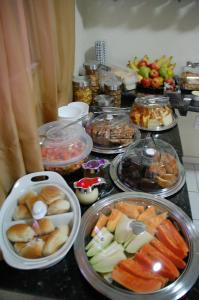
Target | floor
(192,179)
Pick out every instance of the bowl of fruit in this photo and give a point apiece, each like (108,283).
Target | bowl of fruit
(64,148)
(137,246)
(154,75)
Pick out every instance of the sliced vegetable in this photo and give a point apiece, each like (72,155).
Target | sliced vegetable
(101,222)
(131,210)
(135,283)
(154,222)
(109,262)
(134,267)
(123,231)
(147,214)
(108,251)
(157,262)
(168,253)
(113,219)
(139,240)
(102,239)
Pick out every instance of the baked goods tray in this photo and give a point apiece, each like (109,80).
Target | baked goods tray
(66,217)
(159,128)
(117,149)
(165,192)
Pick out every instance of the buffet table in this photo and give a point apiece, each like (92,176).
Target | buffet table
(64,280)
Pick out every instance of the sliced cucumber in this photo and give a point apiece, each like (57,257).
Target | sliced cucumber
(100,244)
(123,231)
(98,237)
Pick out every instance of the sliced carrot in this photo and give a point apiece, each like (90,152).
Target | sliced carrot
(135,268)
(134,283)
(131,210)
(154,222)
(157,260)
(176,236)
(168,253)
(148,213)
(101,222)
(113,219)
(165,236)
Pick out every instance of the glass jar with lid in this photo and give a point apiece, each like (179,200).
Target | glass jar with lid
(82,89)
(91,69)
(190,76)
(113,88)
(103,100)
(152,113)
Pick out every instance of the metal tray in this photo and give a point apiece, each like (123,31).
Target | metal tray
(159,128)
(174,290)
(163,192)
(118,149)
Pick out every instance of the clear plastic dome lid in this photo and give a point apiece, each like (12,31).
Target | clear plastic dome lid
(62,144)
(150,165)
(111,129)
(152,112)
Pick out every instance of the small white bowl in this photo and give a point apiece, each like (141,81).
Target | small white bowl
(84,107)
(69,113)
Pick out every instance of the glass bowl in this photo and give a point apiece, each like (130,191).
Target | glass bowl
(104,264)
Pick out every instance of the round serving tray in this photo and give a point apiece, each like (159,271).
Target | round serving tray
(118,149)
(174,290)
(163,192)
(159,128)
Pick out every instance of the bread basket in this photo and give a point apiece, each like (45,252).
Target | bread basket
(35,182)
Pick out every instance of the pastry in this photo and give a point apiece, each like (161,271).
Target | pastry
(50,193)
(58,207)
(21,212)
(43,226)
(56,239)
(20,233)
(29,202)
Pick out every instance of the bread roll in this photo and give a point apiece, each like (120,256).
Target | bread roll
(50,193)
(43,226)
(20,233)
(56,239)
(31,201)
(18,246)
(29,194)
(21,213)
(58,207)
(32,249)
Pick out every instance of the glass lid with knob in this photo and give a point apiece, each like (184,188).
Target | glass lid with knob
(111,131)
(152,113)
(151,165)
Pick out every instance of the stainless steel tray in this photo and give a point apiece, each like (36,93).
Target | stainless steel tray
(163,192)
(174,290)
(118,149)
(159,128)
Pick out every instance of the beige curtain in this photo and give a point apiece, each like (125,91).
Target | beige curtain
(36,66)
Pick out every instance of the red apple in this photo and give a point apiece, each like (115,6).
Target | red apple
(156,83)
(154,66)
(170,81)
(154,73)
(146,82)
(142,63)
